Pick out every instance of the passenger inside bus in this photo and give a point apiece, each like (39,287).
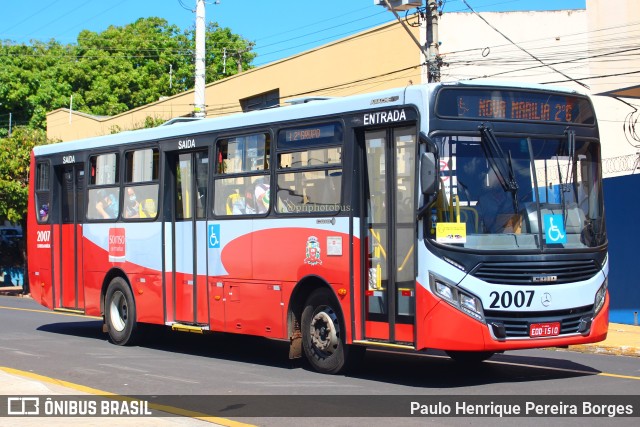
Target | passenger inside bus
(495,206)
(107,205)
(148,209)
(261,193)
(132,206)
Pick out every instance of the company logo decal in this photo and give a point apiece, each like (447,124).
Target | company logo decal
(546,299)
(117,245)
(313,251)
(544,279)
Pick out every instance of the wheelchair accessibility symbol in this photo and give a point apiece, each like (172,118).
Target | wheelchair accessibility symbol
(554,229)
(214,236)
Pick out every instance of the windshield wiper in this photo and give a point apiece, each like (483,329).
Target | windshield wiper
(501,165)
(570,176)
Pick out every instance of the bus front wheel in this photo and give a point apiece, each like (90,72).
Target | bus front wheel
(323,337)
(120,313)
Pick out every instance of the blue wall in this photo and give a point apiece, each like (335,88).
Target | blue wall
(622,210)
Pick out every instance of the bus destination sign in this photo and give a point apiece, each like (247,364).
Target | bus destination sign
(514,105)
(307,133)
(326,133)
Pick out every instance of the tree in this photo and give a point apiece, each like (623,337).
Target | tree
(15,154)
(113,71)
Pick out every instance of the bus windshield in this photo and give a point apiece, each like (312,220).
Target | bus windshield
(518,193)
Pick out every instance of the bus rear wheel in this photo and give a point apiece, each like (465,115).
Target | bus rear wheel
(470,357)
(323,338)
(120,313)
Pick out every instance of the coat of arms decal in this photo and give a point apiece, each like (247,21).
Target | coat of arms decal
(313,251)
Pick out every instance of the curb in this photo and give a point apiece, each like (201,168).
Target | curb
(606,349)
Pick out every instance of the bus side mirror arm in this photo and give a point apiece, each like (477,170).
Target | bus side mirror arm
(428,173)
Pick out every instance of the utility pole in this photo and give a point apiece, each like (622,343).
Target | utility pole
(239,54)
(224,61)
(434,61)
(199,107)
(431,49)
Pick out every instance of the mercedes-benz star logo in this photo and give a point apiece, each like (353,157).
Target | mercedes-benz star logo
(546,299)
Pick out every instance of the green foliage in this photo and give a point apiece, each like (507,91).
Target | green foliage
(15,154)
(110,72)
(151,122)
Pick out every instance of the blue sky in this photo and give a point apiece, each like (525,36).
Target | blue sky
(280,28)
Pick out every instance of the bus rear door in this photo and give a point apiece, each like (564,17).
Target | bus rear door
(186,237)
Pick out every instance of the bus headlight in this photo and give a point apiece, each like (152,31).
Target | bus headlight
(600,297)
(456,297)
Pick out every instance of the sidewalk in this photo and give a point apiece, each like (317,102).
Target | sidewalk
(21,384)
(621,340)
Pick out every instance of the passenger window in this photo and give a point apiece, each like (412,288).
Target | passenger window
(140,201)
(309,178)
(43,193)
(104,169)
(142,165)
(104,203)
(243,154)
(242,184)
(104,195)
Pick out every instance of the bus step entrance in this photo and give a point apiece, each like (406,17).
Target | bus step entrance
(189,328)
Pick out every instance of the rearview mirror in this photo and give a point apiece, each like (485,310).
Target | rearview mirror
(428,175)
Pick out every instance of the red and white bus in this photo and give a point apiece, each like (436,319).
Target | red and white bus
(465,217)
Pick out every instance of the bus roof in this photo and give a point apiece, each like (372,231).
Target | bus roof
(313,109)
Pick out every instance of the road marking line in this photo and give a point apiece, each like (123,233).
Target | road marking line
(50,312)
(576,371)
(89,390)
(525,365)
(627,377)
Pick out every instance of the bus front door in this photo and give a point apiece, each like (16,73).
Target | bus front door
(67,248)
(186,238)
(389,227)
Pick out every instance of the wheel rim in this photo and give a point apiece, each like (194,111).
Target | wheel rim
(325,332)
(118,311)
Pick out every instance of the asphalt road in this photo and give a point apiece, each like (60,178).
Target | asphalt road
(74,349)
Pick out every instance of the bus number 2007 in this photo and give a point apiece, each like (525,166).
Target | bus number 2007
(507,299)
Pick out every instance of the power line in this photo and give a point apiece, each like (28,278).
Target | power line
(60,17)
(520,47)
(93,17)
(39,11)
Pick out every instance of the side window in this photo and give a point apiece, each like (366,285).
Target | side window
(242,184)
(104,192)
(43,191)
(141,184)
(309,174)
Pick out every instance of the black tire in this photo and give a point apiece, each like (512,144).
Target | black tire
(323,336)
(120,313)
(470,357)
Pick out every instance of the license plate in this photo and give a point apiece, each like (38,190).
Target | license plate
(537,330)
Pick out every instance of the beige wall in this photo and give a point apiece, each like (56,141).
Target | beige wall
(473,49)
(362,63)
